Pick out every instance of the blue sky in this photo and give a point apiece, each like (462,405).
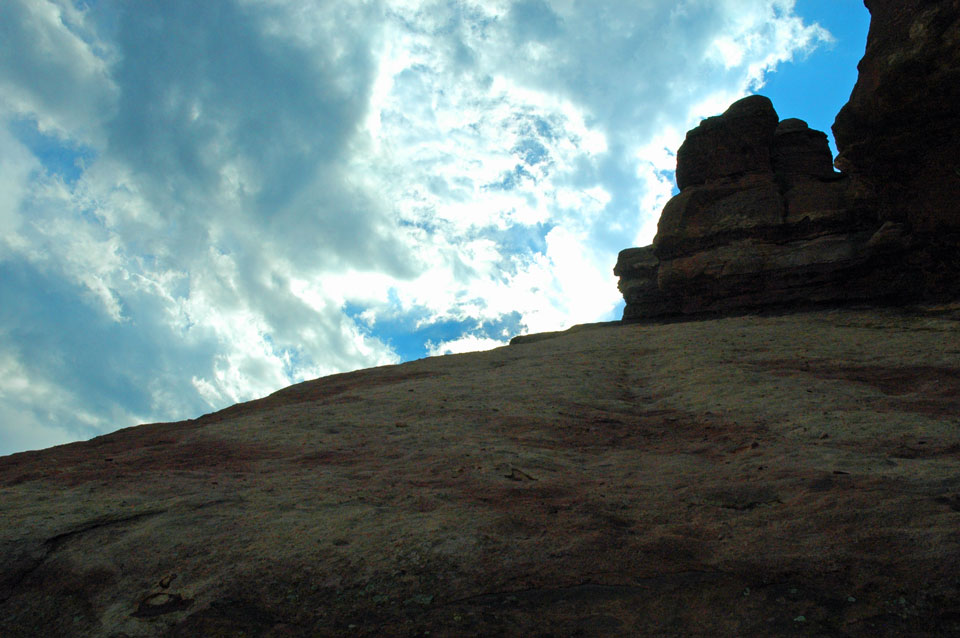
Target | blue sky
(201,203)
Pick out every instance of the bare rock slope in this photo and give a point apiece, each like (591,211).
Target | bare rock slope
(756,476)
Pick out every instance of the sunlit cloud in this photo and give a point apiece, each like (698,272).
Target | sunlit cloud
(203,202)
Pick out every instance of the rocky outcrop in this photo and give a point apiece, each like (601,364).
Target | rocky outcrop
(778,476)
(898,135)
(899,132)
(739,141)
(762,219)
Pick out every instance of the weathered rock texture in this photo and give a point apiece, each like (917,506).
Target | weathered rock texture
(899,135)
(763,220)
(780,476)
(900,131)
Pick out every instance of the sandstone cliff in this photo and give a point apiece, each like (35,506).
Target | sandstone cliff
(762,220)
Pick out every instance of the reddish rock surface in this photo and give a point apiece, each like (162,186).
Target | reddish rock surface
(756,476)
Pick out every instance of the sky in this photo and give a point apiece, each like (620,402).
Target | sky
(204,202)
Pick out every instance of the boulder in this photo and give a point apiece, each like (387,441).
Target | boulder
(798,150)
(734,143)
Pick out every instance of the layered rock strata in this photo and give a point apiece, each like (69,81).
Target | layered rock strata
(763,220)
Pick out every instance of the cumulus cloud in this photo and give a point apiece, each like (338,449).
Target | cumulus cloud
(468,343)
(203,202)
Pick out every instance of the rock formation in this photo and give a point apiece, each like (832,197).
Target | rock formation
(898,135)
(762,220)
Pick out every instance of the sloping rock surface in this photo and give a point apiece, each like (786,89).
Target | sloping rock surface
(757,476)
(762,220)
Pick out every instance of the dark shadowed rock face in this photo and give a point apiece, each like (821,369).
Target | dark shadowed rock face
(800,151)
(739,141)
(898,135)
(900,131)
(762,219)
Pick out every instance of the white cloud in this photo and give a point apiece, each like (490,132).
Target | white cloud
(53,68)
(16,166)
(524,114)
(37,413)
(203,202)
(467,343)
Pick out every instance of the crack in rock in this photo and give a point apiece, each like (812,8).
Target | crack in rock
(26,565)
